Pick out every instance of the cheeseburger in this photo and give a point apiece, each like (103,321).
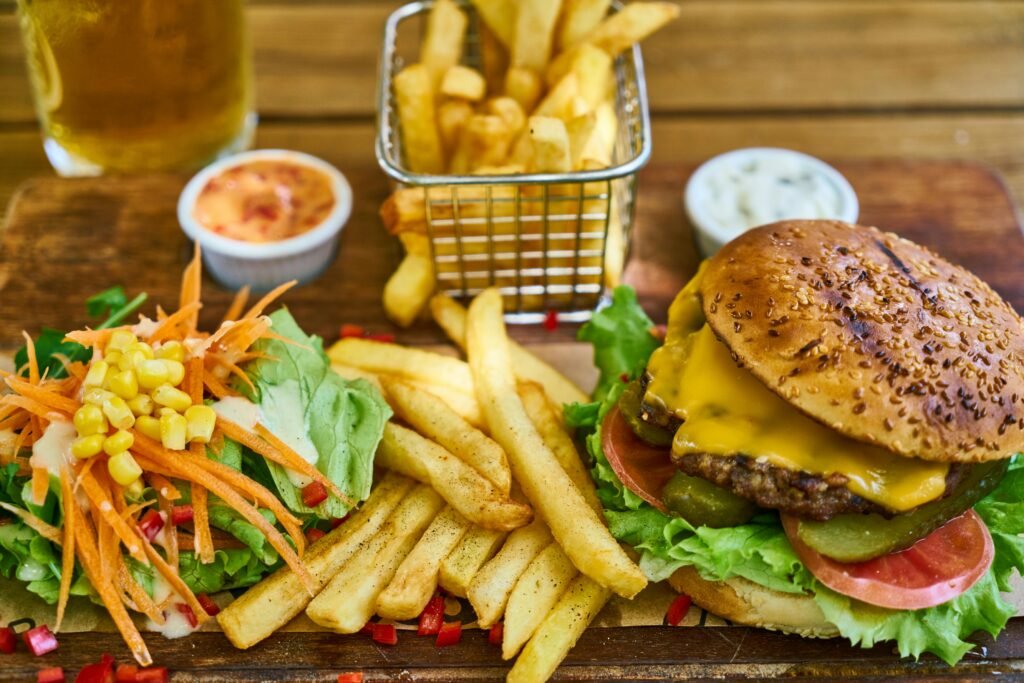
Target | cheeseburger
(823,442)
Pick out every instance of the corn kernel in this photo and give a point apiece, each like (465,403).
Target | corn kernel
(131,360)
(118,412)
(135,490)
(175,372)
(166,411)
(124,469)
(96,396)
(141,404)
(118,442)
(152,373)
(176,399)
(87,446)
(89,420)
(173,431)
(112,358)
(172,350)
(145,348)
(201,421)
(97,374)
(125,384)
(121,339)
(149,426)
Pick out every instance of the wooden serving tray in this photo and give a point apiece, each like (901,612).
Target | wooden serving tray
(66,239)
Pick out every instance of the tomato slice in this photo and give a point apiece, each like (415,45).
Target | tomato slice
(642,468)
(933,571)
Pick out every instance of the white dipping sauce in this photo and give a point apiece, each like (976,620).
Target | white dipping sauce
(746,188)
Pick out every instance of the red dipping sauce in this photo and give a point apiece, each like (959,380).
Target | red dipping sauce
(264,201)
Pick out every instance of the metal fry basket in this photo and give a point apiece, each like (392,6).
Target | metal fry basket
(550,242)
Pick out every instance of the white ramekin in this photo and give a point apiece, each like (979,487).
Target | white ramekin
(265,265)
(711,236)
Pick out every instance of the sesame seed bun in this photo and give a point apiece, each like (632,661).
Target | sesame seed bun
(874,336)
(745,602)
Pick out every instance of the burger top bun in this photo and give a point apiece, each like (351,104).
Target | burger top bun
(874,336)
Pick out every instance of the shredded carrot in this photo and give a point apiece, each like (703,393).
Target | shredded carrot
(170,530)
(268,299)
(101,502)
(201,524)
(50,399)
(47,531)
(237,304)
(168,326)
(191,287)
(40,484)
(301,465)
(216,387)
(93,338)
(232,369)
(89,557)
(176,583)
(33,363)
(67,564)
(140,600)
(164,488)
(34,408)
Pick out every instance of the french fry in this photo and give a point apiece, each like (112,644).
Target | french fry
(463,82)
(592,67)
(432,418)
(415,582)
(472,552)
(551,429)
(417,119)
(500,17)
(524,86)
(583,141)
(562,627)
(535,594)
(510,111)
(558,102)
(451,317)
(579,19)
(493,59)
(484,141)
(405,451)
(347,602)
(488,592)
(409,288)
(550,143)
(425,367)
(442,46)
(632,24)
(534,33)
(452,116)
(576,527)
(280,597)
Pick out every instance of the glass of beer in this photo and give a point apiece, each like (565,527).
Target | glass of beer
(138,85)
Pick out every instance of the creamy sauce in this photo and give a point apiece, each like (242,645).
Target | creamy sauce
(728,411)
(265,201)
(53,449)
(241,411)
(282,415)
(145,328)
(175,624)
(747,191)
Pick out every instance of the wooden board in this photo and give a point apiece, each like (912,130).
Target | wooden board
(75,237)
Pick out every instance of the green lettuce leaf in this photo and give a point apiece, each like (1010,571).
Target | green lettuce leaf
(232,568)
(300,396)
(230,520)
(759,551)
(621,337)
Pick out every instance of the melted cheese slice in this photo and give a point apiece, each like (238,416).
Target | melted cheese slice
(728,411)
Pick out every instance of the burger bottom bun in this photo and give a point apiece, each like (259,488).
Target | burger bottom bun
(744,602)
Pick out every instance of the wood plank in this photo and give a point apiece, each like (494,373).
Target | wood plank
(319,58)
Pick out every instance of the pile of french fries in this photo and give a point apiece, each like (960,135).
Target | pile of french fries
(480,492)
(542,101)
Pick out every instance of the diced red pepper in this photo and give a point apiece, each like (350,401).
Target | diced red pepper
(186,610)
(154,674)
(338,521)
(677,610)
(350,677)
(496,633)
(367,628)
(126,673)
(181,514)
(54,674)
(432,617)
(40,640)
(209,606)
(313,494)
(385,337)
(350,330)
(8,640)
(102,672)
(551,321)
(385,634)
(151,523)
(624,377)
(313,534)
(450,634)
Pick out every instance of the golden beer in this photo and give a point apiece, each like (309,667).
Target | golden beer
(129,85)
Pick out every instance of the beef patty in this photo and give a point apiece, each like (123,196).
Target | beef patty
(810,496)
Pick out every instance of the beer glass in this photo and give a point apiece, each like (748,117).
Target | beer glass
(138,85)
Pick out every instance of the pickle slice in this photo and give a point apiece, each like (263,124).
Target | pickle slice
(858,538)
(702,503)
(629,405)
